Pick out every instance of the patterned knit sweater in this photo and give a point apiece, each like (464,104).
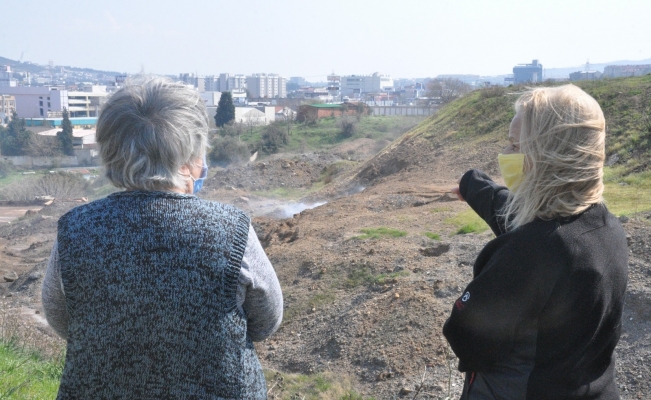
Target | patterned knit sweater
(150,281)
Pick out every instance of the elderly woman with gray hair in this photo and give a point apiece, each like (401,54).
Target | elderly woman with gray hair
(159,293)
(542,315)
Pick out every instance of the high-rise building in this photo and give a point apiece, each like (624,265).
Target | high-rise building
(528,73)
(266,86)
(230,83)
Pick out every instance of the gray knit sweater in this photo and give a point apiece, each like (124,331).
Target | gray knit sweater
(157,291)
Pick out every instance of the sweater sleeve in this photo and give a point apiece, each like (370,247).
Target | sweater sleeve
(485,197)
(259,294)
(53,297)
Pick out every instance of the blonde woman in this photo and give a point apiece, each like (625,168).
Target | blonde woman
(541,317)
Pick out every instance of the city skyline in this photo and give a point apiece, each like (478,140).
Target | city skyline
(406,39)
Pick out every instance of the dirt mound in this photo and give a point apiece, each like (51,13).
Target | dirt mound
(295,172)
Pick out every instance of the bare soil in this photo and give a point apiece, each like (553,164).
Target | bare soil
(369,310)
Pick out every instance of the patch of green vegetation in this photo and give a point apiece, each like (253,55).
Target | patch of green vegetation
(627,194)
(381,232)
(432,235)
(440,209)
(326,132)
(25,374)
(321,299)
(467,222)
(361,274)
(324,385)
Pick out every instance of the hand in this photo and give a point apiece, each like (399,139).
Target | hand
(458,193)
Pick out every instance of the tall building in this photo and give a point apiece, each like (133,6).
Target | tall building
(528,73)
(266,86)
(230,83)
(6,77)
(356,85)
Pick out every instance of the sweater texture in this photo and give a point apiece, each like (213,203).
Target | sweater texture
(150,281)
(542,315)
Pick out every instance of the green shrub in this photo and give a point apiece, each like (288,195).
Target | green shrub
(273,138)
(228,150)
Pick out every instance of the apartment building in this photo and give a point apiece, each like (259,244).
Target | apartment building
(7,106)
(230,83)
(266,86)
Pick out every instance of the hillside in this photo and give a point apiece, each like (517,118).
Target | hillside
(19,66)
(481,120)
(370,276)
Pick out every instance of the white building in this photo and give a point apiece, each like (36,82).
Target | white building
(229,83)
(356,85)
(266,86)
(49,101)
(210,98)
(6,77)
(255,116)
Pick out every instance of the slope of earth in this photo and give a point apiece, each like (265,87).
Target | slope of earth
(372,306)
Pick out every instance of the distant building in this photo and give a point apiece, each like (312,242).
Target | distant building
(318,111)
(300,81)
(6,77)
(230,83)
(528,73)
(356,85)
(616,71)
(585,75)
(49,101)
(266,86)
(7,106)
(472,80)
(210,98)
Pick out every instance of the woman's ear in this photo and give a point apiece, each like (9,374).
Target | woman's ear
(184,170)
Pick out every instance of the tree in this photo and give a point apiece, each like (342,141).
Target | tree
(15,140)
(225,110)
(447,89)
(65,135)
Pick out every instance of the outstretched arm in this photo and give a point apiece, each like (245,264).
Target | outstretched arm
(485,197)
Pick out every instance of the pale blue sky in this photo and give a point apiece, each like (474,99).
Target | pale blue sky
(406,38)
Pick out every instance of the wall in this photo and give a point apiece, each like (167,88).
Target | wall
(31,162)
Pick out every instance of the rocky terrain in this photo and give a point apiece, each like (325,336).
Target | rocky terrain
(363,310)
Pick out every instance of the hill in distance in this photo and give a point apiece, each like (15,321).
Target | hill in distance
(18,66)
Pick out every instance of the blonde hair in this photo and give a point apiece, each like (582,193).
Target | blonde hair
(563,139)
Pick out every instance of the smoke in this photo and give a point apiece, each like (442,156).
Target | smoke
(288,210)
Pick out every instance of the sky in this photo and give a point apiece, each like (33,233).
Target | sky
(404,39)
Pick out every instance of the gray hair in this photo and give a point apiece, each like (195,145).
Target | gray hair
(149,129)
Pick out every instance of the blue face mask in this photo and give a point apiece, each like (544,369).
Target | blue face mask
(198,183)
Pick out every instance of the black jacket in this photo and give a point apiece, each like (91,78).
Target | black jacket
(542,315)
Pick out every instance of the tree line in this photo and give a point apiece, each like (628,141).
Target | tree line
(17,140)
